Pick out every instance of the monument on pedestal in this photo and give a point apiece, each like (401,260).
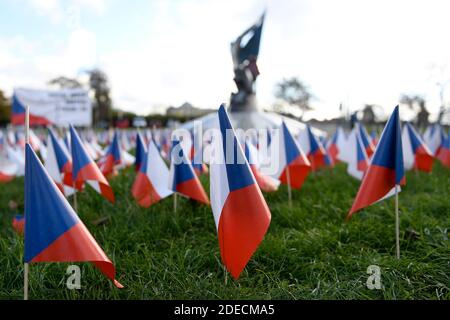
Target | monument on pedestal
(243,109)
(244,51)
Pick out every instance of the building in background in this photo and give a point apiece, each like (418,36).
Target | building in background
(187,110)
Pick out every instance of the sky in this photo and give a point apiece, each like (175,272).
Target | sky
(158,53)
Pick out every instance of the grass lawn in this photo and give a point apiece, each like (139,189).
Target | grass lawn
(309,251)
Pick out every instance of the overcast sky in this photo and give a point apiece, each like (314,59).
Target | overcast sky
(159,53)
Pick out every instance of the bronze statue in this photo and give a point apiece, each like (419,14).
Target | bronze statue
(245,52)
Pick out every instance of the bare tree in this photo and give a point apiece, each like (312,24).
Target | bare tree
(65,83)
(418,104)
(5,109)
(439,74)
(99,84)
(294,93)
(368,112)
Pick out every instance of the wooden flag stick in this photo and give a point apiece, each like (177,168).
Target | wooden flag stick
(25,281)
(27,124)
(288,177)
(397,224)
(75,203)
(25,265)
(175,202)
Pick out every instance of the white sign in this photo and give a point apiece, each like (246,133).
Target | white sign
(59,107)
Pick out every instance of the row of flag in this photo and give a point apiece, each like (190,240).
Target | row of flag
(355,149)
(241,213)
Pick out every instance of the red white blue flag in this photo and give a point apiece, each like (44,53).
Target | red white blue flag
(290,158)
(416,154)
(386,171)
(59,164)
(182,178)
(85,170)
(112,157)
(241,214)
(8,169)
(444,151)
(366,139)
(197,154)
(355,155)
(53,231)
(313,148)
(374,137)
(141,151)
(18,223)
(433,137)
(265,182)
(151,183)
(18,114)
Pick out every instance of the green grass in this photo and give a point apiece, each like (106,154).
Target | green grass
(309,251)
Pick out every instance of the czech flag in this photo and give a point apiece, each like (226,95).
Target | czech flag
(313,148)
(127,159)
(444,151)
(374,137)
(163,145)
(112,157)
(124,141)
(53,231)
(147,136)
(433,137)
(67,140)
(141,151)
(18,115)
(58,164)
(442,141)
(336,145)
(199,167)
(197,154)
(332,148)
(8,169)
(366,139)
(241,214)
(93,142)
(85,169)
(356,156)
(192,147)
(269,136)
(266,183)
(151,183)
(92,152)
(14,155)
(182,178)
(267,140)
(18,223)
(415,153)
(35,142)
(290,156)
(386,168)
(2,141)
(19,139)
(328,159)
(263,146)
(10,138)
